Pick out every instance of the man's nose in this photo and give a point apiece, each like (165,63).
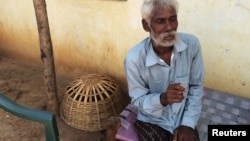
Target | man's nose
(168,26)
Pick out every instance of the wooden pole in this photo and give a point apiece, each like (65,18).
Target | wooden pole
(46,50)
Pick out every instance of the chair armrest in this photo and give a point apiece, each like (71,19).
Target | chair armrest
(46,118)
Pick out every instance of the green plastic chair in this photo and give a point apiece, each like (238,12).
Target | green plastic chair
(46,118)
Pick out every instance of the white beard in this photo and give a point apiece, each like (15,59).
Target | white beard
(159,41)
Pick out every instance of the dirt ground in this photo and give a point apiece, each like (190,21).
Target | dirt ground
(24,84)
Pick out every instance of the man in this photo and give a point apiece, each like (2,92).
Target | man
(165,76)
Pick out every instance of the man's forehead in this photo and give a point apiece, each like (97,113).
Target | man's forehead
(164,12)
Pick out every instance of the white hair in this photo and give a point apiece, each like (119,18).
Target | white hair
(149,5)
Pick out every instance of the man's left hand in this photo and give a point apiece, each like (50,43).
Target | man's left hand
(184,133)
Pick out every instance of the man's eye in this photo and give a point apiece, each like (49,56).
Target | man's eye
(173,19)
(160,21)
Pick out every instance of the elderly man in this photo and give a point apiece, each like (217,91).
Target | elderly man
(165,76)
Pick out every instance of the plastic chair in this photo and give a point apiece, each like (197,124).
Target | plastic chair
(46,118)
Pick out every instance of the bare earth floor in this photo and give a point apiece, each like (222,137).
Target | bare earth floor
(24,84)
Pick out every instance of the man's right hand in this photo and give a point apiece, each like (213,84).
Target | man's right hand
(174,94)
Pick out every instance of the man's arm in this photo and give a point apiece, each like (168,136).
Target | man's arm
(193,103)
(148,104)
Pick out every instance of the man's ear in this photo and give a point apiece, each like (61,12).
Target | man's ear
(145,25)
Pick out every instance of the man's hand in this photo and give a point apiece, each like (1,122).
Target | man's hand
(184,133)
(174,94)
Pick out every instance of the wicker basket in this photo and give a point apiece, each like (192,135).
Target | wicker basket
(89,101)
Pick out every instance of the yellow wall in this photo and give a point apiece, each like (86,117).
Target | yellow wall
(94,36)
(224,30)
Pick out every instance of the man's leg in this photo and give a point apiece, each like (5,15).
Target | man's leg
(151,132)
(197,134)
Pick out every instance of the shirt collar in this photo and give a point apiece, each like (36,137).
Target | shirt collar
(152,58)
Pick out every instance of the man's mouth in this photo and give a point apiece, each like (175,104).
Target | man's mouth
(169,37)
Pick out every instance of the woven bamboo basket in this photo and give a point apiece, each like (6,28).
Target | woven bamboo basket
(89,101)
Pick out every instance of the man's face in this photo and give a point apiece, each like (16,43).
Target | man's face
(163,27)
